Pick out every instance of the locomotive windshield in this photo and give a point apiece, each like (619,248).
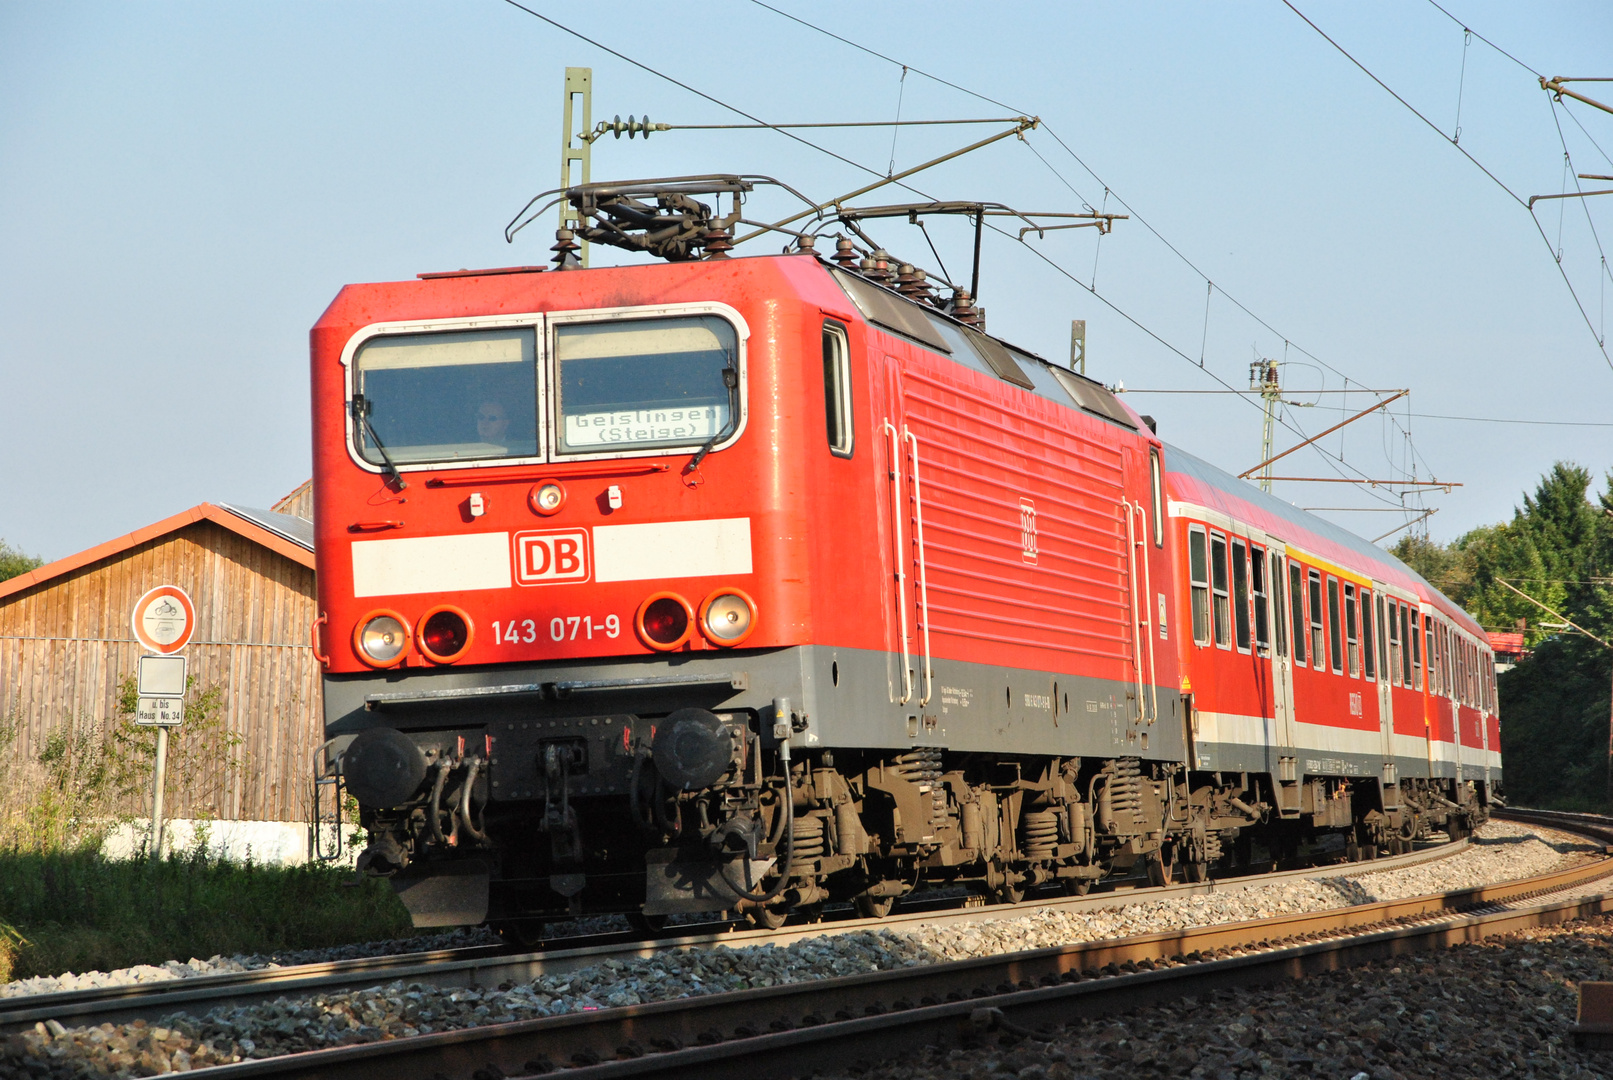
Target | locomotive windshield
(644,382)
(446,397)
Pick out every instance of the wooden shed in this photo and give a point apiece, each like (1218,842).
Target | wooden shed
(66,644)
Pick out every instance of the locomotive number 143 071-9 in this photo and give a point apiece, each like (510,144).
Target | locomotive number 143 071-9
(561,628)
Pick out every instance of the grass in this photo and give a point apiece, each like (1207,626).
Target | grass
(65,908)
(75,911)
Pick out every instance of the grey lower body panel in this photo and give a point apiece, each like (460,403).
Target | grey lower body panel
(846,698)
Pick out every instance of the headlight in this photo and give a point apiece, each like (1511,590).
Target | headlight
(727,617)
(547,497)
(664,621)
(445,634)
(382,638)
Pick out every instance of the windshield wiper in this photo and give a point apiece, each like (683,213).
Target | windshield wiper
(361,412)
(730,379)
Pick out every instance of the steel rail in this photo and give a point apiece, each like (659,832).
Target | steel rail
(490,966)
(832,1023)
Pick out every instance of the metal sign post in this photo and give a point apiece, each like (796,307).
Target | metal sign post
(161,686)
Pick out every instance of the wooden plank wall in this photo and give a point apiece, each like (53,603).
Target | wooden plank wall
(299,503)
(66,644)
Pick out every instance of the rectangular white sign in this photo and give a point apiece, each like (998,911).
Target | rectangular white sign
(425,564)
(672,549)
(161,676)
(159,711)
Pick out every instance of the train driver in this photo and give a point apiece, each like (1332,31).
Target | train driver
(493,424)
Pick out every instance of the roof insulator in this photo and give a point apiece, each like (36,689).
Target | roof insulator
(718,244)
(881,270)
(565,250)
(963,307)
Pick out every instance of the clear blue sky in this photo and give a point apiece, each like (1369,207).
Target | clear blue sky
(184,187)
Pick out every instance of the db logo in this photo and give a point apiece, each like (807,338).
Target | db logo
(544,558)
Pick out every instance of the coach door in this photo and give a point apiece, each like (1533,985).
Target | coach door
(1386,702)
(1282,658)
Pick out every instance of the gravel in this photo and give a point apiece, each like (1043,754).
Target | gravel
(1498,1008)
(220,965)
(1501,851)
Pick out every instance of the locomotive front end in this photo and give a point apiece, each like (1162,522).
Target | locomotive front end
(555,615)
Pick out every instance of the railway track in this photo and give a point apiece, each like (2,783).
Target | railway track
(827,1024)
(491,966)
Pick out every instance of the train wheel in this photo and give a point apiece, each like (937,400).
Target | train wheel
(1161,871)
(766,918)
(873,907)
(1010,894)
(1352,850)
(1079,886)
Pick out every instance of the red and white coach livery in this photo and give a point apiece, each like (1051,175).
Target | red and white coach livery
(755,583)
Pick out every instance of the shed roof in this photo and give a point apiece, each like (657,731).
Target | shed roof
(291,537)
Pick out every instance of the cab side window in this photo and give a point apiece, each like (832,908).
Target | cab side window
(837,389)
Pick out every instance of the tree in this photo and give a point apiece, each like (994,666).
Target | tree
(1555,705)
(14,562)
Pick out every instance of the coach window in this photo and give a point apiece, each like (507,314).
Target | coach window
(1455,642)
(1467,653)
(1218,587)
(1416,653)
(1257,582)
(1395,648)
(837,389)
(632,384)
(1296,605)
(1240,593)
(445,397)
(1318,648)
(1159,497)
(1352,630)
(1366,636)
(1445,679)
(1405,647)
(1440,670)
(1198,564)
(1336,651)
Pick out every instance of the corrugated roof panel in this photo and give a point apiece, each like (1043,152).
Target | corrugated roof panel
(299,531)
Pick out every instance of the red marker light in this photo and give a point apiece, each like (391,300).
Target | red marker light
(445,634)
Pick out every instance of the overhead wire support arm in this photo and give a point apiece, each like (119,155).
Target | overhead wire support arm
(1446,484)
(633,126)
(1420,517)
(1300,446)
(1555,87)
(1021,125)
(1570,195)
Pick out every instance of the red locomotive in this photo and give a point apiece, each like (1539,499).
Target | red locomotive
(755,583)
